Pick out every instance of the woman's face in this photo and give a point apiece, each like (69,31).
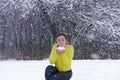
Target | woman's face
(61,41)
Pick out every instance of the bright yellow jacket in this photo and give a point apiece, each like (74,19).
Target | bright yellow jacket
(62,61)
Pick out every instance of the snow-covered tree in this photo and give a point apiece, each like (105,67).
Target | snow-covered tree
(28,27)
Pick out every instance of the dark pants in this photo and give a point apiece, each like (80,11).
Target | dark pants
(51,73)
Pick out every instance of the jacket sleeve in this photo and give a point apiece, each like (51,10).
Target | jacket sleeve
(53,55)
(67,56)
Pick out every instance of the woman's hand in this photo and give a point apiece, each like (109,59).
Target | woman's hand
(59,51)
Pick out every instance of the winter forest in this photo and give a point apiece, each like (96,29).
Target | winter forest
(28,28)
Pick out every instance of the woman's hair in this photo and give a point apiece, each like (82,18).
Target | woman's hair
(62,34)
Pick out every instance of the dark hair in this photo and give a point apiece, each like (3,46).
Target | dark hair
(62,34)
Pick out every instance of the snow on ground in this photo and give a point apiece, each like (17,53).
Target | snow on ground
(82,70)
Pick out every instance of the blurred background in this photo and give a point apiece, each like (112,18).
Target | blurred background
(28,28)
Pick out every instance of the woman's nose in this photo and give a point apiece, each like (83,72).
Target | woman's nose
(61,41)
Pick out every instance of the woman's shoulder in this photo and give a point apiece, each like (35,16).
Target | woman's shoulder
(69,46)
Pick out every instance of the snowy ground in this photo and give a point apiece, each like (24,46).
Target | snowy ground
(82,69)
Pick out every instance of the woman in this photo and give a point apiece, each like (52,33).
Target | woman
(61,55)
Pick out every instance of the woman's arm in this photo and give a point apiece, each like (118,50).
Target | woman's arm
(67,56)
(53,56)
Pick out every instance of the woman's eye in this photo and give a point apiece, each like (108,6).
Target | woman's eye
(58,40)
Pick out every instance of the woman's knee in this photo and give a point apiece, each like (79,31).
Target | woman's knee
(49,71)
(50,67)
